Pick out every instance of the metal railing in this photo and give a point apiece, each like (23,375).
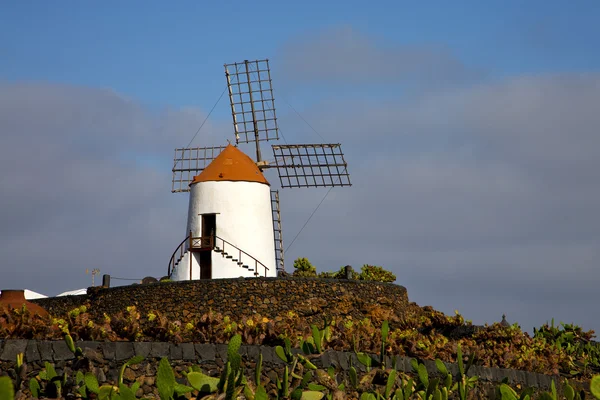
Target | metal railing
(181,250)
(240,253)
(210,243)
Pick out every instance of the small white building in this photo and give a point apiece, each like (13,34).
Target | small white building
(230,222)
(31,295)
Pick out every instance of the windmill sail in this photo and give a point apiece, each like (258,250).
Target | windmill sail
(189,162)
(311,165)
(251,100)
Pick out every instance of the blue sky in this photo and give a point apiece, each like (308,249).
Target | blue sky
(172,54)
(470,129)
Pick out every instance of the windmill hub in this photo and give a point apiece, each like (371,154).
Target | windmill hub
(262,164)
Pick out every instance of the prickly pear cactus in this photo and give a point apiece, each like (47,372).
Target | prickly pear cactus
(7,391)
(595,386)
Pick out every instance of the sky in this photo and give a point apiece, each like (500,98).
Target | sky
(470,130)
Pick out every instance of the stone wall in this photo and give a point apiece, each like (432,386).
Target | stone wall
(105,359)
(236,297)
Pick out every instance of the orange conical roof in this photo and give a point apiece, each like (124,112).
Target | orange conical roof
(231,165)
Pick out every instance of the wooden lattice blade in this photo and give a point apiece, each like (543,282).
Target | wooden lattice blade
(311,165)
(252,102)
(189,162)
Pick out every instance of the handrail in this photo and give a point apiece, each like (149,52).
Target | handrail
(208,242)
(172,261)
(256,262)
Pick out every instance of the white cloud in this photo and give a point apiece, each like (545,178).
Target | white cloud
(342,55)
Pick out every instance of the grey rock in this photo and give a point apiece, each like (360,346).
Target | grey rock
(187,351)
(93,355)
(269,355)
(88,344)
(61,351)
(328,359)
(124,351)
(45,348)
(253,352)
(109,349)
(342,359)
(142,348)
(113,374)
(221,350)
(32,353)
(12,348)
(244,350)
(205,351)
(159,350)
(175,352)
(101,376)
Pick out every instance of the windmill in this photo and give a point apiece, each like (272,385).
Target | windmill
(254,121)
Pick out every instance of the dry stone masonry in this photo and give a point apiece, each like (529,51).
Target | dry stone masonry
(235,297)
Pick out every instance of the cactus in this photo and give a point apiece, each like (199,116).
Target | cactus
(77,351)
(385,329)
(285,353)
(391,382)
(234,361)
(203,383)
(51,383)
(21,370)
(353,377)
(595,386)
(91,383)
(131,361)
(7,390)
(317,337)
(165,380)
(464,383)
(258,370)
(366,360)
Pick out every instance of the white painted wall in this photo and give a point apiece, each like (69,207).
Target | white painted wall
(244,218)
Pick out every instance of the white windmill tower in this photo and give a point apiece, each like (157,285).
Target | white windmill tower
(234,221)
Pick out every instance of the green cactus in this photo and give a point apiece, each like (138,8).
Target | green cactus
(385,329)
(312,395)
(595,386)
(47,383)
(165,380)
(317,337)
(34,387)
(353,376)
(258,370)
(7,390)
(77,351)
(464,383)
(132,361)
(285,353)
(391,382)
(91,383)
(203,383)
(366,360)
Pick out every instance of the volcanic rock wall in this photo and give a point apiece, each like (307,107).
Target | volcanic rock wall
(268,297)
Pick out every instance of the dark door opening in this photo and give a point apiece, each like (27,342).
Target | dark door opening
(209,228)
(209,224)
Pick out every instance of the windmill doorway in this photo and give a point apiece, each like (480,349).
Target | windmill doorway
(209,229)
